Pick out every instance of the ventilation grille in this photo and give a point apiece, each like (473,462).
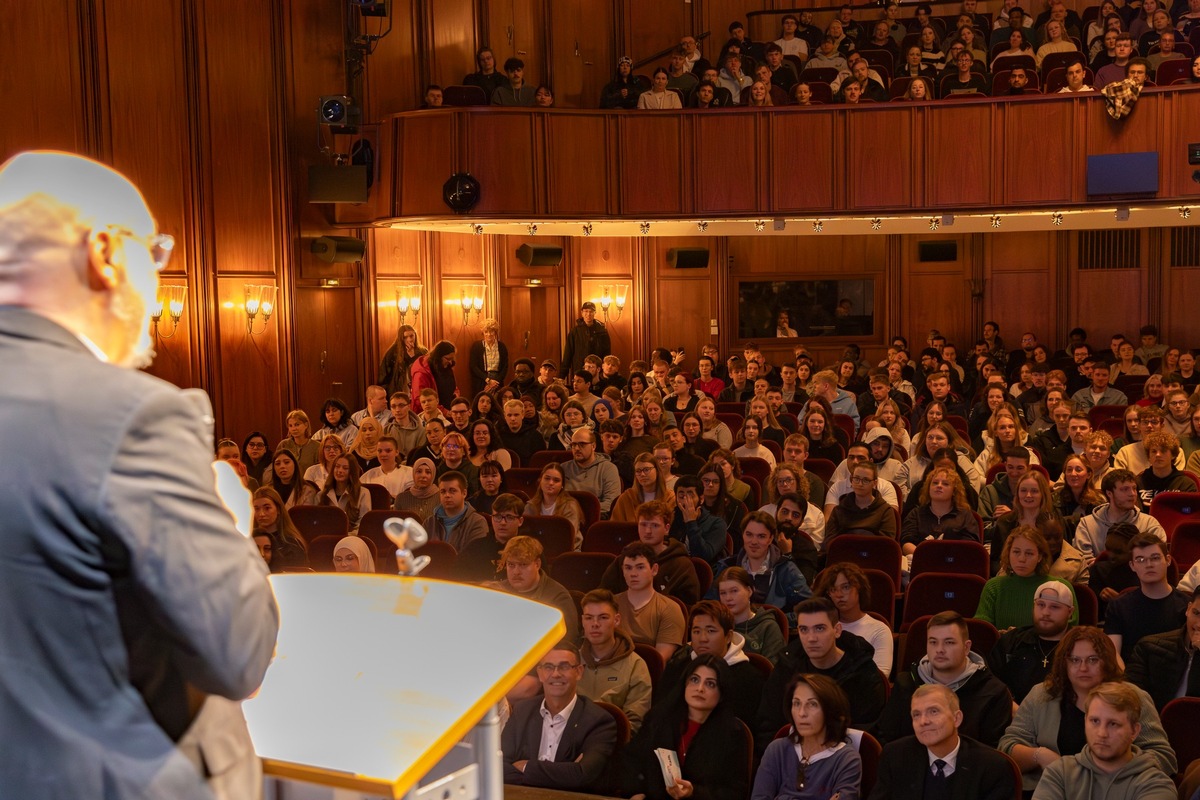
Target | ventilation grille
(1110,249)
(1185,247)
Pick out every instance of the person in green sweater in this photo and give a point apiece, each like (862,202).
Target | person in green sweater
(1007,599)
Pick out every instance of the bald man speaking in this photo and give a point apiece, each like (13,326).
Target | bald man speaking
(132,612)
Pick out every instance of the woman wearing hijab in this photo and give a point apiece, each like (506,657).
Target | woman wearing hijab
(351,555)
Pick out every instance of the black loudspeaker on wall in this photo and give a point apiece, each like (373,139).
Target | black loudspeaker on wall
(540,255)
(338,249)
(688,257)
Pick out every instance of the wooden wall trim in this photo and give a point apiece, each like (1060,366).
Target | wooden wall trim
(951,158)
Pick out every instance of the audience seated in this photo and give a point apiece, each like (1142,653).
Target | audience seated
(1120,489)
(553,500)
(521,563)
(560,740)
(284,547)
(710,631)
(612,671)
(1161,663)
(916,767)
(1021,657)
(477,562)
(453,520)
(1050,722)
(823,648)
(674,573)
(777,580)
(984,699)
(1154,606)
(759,627)
(862,510)
(351,554)
(942,512)
(817,756)
(1007,599)
(422,498)
(696,721)
(847,586)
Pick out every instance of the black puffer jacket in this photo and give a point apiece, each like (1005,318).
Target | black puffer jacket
(1158,663)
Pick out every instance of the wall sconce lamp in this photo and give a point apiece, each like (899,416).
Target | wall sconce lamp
(170,299)
(260,301)
(618,294)
(408,299)
(472,301)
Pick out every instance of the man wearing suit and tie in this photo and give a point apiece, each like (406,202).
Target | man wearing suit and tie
(937,763)
(133,615)
(561,740)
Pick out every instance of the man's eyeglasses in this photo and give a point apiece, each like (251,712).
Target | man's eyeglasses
(1143,560)
(561,667)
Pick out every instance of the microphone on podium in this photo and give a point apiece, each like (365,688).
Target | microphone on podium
(407,534)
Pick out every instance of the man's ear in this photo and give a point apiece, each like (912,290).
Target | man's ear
(103,275)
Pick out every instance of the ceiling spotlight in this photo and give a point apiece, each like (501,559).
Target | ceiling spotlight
(934,223)
(1057,218)
(818,226)
(644,228)
(1185,212)
(587,229)
(702,226)
(477,229)
(760,226)
(996,222)
(532,229)
(876,224)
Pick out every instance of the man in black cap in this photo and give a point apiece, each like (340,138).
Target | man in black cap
(588,337)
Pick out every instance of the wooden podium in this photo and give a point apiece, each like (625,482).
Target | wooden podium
(386,686)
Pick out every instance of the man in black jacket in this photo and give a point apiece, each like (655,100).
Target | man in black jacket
(825,649)
(938,763)
(1165,664)
(588,337)
(1022,657)
(985,701)
(585,738)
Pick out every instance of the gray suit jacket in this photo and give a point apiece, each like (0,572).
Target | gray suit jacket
(125,591)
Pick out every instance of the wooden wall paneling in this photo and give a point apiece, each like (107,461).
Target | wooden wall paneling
(610,261)
(1046,163)
(452,27)
(401,63)
(1179,128)
(460,261)
(801,140)
(1132,134)
(500,154)
(959,152)
(576,171)
(1181,286)
(427,149)
(936,295)
(51,46)
(512,272)
(534,322)
(651,27)
(1108,300)
(518,28)
(728,183)
(1021,284)
(244,165)
(872,180)
(313,318)
(157,158)
(651,160)
(581,58)
(681,303)
(328,329)
(252,362)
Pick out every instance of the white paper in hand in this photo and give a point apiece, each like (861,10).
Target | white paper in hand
(669,761)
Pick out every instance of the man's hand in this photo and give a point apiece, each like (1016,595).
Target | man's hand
(1108,593)
(680,790)
(1000,511)
(689,508)
(520,765)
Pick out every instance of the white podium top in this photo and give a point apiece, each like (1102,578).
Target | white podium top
(376,677)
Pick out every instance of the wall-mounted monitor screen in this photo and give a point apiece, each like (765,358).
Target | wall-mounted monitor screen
(833,307)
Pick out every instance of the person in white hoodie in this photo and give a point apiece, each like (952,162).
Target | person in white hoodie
(710,626)
(1110,766)
(1120,487)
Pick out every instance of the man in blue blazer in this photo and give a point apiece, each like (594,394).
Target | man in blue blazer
(937,763)
(132,612)
(561,740)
